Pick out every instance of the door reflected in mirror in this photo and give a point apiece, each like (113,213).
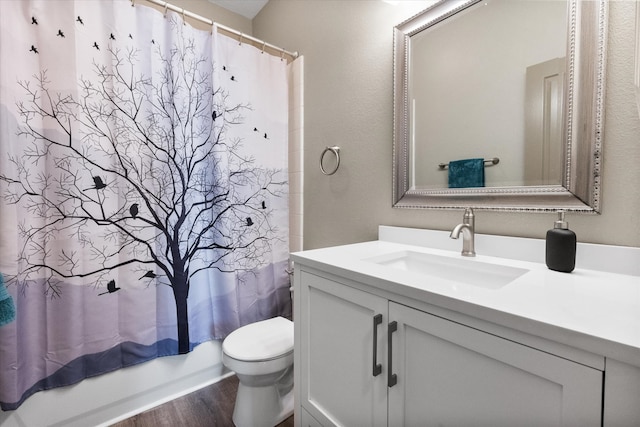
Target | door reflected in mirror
(489,82)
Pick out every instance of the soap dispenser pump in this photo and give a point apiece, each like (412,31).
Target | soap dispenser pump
(561,246)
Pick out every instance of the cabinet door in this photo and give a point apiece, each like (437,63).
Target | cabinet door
(337,352)
(449,374)
(307,420)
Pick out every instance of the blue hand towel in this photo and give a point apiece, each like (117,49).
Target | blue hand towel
(466,173)
(7,309)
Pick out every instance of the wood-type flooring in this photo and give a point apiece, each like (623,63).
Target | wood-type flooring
(207,407)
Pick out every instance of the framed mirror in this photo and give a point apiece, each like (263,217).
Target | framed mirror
(636,78)
(498,105)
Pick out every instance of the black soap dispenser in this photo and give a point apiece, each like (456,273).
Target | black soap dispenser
(561,246)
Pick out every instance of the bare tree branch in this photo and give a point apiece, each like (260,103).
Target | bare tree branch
(138,171)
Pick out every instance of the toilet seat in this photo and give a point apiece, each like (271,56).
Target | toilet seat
(261,355)
(260,341)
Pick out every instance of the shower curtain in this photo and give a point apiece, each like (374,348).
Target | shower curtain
(143,176)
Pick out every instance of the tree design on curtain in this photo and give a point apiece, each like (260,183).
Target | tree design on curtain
(143,173)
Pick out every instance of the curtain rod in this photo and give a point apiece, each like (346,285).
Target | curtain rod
(242,36)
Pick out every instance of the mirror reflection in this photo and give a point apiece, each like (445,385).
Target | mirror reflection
(488,84)
(498,104)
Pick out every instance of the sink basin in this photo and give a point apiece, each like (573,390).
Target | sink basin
(458,269)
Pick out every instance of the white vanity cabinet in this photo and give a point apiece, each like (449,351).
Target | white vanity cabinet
(432,370)
(337,351)
(452,374)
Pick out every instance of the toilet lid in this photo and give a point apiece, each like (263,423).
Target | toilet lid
(263,340)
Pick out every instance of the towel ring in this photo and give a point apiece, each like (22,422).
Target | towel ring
(335,150)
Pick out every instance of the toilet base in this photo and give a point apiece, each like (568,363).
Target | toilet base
(261,406)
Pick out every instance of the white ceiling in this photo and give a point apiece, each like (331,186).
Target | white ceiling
(247,8)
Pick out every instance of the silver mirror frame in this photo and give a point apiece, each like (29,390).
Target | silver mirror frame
(584,114)
(636,80)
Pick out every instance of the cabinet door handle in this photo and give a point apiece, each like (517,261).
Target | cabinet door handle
(392,379)
(377,367)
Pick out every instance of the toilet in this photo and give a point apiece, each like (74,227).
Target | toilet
(261,355)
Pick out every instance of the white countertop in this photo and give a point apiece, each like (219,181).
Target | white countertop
(592,310)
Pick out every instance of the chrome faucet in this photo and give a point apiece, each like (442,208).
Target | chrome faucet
(468,233)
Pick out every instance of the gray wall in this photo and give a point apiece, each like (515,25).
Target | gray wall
(210,11)
(347,47)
